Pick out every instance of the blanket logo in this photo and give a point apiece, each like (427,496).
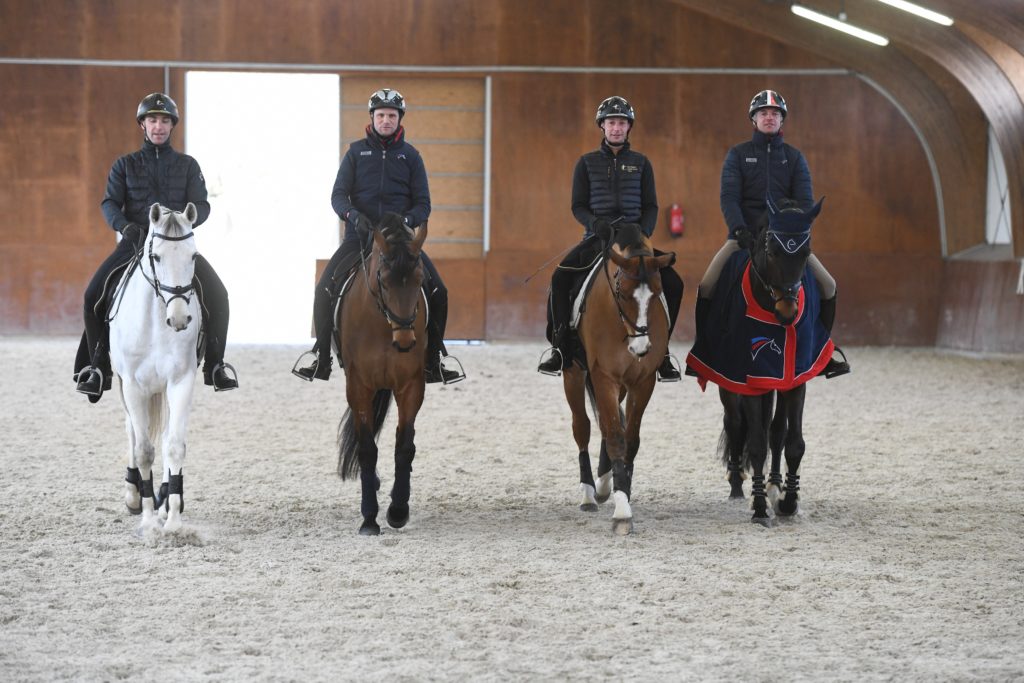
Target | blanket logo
(759,343)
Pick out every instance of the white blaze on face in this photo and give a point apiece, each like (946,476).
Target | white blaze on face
(639,346)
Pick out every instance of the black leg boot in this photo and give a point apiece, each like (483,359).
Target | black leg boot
(827,315)
(672,286)
(559,356)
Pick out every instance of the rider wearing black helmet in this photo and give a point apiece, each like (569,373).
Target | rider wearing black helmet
(155,173)
(611,184)
(380,173)
(765,165)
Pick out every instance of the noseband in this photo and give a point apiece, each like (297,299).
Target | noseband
(183,292)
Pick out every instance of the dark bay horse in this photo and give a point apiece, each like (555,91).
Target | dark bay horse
(762,354)
(383,349)
(624,334)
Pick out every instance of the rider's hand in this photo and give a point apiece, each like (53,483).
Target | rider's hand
(603,229)
(362,224)
(744,237)
(132,233)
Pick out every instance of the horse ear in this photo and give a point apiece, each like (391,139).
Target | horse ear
(378,238)
(617,258)
(419,236)
(191,213)
(816,210)
(666,259)
(154,213)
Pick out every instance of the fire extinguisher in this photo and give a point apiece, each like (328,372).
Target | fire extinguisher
(676,224)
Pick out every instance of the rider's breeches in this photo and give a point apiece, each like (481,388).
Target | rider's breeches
(215,310)
(95,321)
(826,282)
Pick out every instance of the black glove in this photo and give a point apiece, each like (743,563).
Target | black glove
(362,224)
(133,233)
(603,229)
(744,237)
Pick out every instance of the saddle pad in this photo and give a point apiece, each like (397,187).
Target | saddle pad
(743,348)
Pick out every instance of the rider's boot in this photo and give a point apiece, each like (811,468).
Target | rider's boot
(667,371)
(560,354)
(436,355)
(700,319)
(319,368)
(95,378)
(827,315)
(216,373)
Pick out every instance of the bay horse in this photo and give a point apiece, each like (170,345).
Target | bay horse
(761,352)
(624,334)
(154,334)
(383,350)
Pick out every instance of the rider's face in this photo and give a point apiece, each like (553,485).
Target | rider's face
(385,121)
(768,120)
(158,128)
(616,129)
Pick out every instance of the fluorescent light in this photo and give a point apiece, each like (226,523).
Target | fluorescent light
(831,22)
(919,11)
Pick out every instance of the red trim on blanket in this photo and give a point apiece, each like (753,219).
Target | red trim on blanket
(754,309)
(755,386)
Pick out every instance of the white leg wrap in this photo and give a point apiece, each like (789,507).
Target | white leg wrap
(603,484)
(587,495)
(622,509)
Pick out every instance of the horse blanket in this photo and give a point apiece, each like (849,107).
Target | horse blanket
(743,348)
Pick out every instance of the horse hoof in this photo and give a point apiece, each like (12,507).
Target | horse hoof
(766,522)
(622,527)
(133,511)
(784,510)
(398,516)
(736,495)
(601,498)
(369,528)
(588,507)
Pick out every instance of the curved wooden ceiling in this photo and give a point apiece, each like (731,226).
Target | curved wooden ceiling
(983,51)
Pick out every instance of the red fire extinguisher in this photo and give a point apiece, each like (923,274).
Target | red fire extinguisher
(676,225)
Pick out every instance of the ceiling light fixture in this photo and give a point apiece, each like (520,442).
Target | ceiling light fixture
(922,12)
(838,25)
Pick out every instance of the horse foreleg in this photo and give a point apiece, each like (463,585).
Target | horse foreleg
(409,403)
(133,478)
(136,404)
(776,440)
(574,384)
(756,410)
(179,401)
(606,393)
(789,505)
(734,435)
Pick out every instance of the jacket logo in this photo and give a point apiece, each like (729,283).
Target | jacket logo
(751,160)
(400,156)
(366,153)
(630,169)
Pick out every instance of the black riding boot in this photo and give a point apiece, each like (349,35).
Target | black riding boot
(672,287)
(320,368)
(827,315)
(436,351)
(700,320)
(560,352)
(216,373)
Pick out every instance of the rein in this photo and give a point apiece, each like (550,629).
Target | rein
(397,322)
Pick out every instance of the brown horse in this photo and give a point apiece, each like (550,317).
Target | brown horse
(383,349)
(624,334)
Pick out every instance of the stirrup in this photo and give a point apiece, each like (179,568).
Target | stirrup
(555,353)
(836,368)
(674,363)
(446,375)
(296,370)
(84,374)
(226,367)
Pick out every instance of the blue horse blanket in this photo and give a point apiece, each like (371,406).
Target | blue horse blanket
(744,349)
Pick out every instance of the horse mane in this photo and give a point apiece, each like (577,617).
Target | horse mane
(398,237)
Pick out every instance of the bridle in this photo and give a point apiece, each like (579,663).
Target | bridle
(617,297)
(396,321)
(183,292)
(790,245)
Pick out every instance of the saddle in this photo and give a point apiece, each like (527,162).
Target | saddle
(743,348)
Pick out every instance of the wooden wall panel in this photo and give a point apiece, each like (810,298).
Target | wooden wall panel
(980,309)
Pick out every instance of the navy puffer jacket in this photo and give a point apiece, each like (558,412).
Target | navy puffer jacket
(753,168)
(154,174)
(377,176)
(611,186)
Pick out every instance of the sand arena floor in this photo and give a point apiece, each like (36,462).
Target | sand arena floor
(905,564)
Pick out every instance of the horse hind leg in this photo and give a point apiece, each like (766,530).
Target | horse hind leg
(789,505)
(776,442)
(575,394)
(175,415)
(731,442)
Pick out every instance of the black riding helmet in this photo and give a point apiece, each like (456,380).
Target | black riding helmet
(615,106)
(765,99)
(157,103)
(386,98)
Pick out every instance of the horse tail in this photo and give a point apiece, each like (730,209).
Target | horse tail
(739,435)
(158,413)
(348,440)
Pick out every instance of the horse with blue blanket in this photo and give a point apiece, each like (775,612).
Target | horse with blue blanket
(763,336)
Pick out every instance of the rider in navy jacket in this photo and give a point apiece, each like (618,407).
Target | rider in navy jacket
(155,173)
(755,170)
(380,173)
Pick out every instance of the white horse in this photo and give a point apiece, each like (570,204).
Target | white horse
(154,331)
